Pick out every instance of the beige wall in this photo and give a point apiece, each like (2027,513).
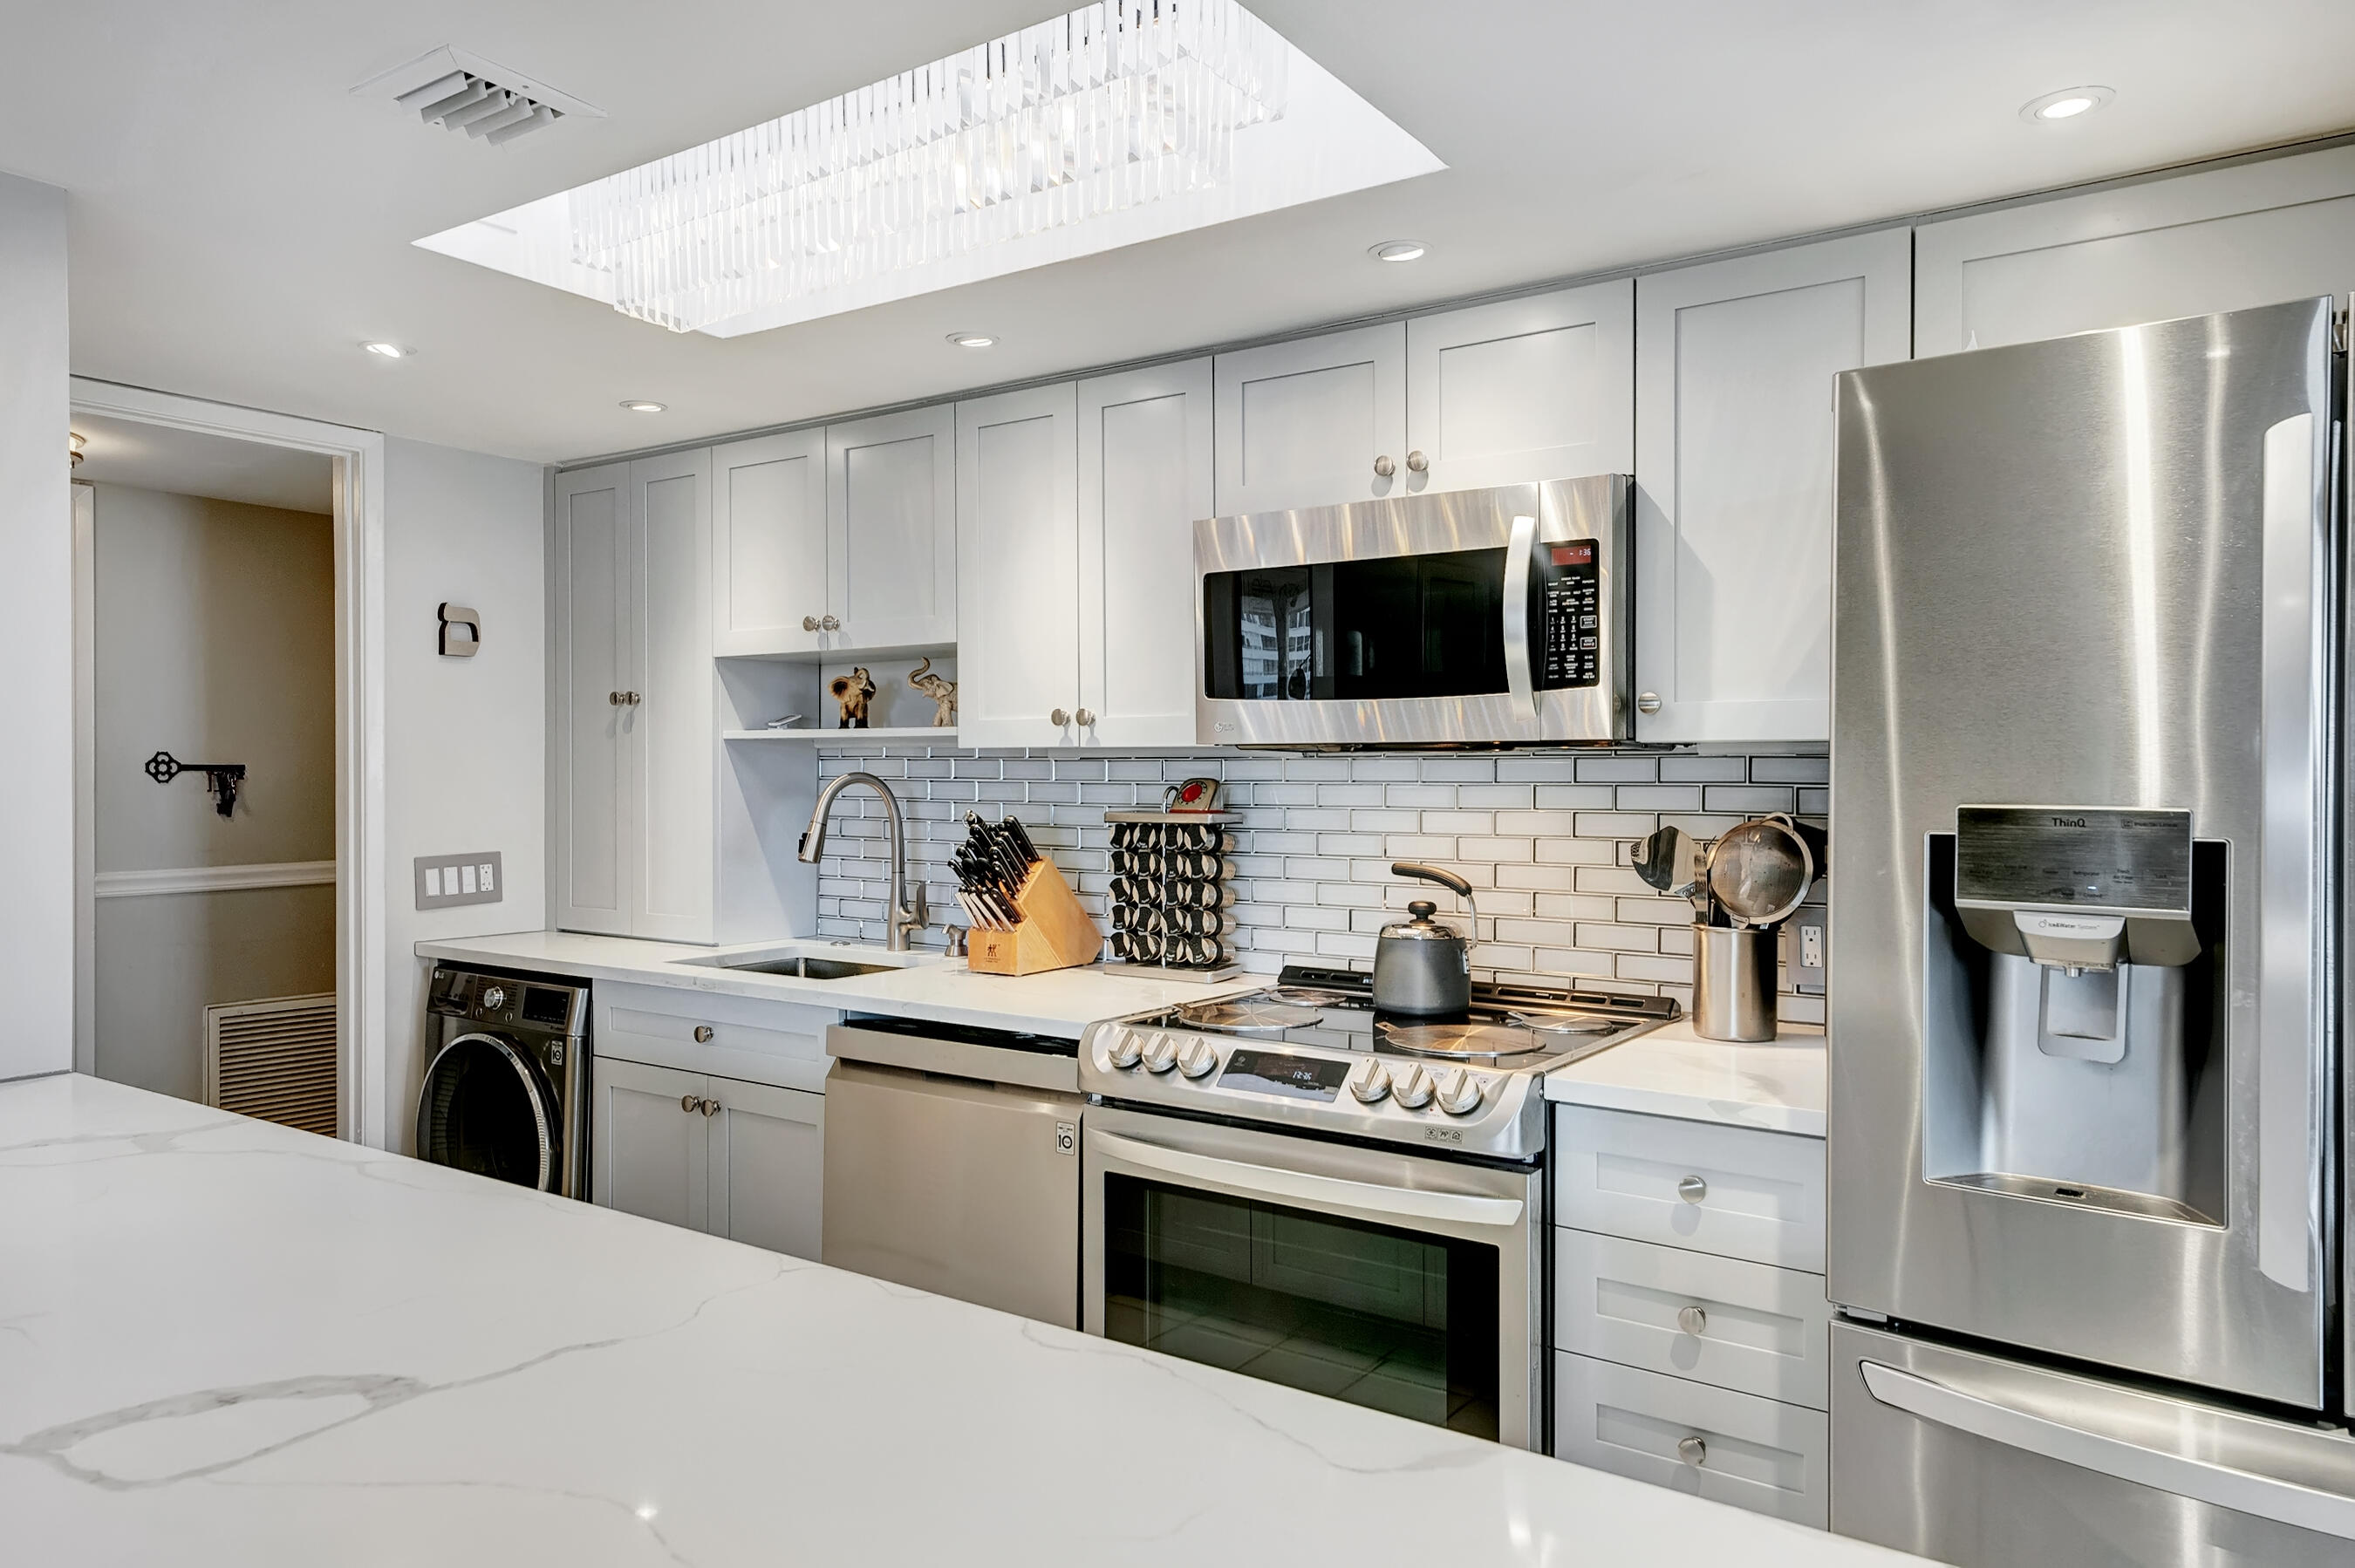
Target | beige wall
(214,640)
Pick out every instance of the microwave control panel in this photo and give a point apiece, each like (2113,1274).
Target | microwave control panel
(1570,641)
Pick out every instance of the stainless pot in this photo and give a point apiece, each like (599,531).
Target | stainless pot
(1420,967)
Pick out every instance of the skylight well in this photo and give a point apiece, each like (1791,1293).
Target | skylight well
(1118,122)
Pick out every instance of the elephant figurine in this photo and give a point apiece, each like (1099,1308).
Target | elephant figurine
(853,692)
(939,688)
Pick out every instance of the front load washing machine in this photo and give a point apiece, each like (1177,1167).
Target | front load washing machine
(506,1093)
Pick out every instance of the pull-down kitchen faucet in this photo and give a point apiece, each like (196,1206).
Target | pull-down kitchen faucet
(905,911)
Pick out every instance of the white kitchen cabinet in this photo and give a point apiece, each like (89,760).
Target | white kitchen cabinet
(1145,476)
(1736,425)
(2228,239)
(768,544)
(1757,1454)
(1738,1192)
(738,1159)
(1539,388)
(652,1153)
(592,784)
(1019,577)
(1306,424)
(890,533)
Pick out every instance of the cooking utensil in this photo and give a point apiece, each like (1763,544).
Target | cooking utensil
(1759,871)
(1420,967)
(1673,862)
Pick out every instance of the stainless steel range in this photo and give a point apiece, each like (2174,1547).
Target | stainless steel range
(1293,1185)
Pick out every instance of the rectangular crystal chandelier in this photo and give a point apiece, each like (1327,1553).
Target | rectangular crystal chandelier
(1117,104)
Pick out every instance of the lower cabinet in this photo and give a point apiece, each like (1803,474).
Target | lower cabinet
(1730,1448)
(738,1159)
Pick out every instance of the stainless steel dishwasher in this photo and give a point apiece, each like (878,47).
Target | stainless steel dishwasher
(951,1163)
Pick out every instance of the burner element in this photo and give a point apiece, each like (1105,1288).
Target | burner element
(1460,1040)
(1249,1012)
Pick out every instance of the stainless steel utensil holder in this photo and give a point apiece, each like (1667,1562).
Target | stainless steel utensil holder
(1733,983)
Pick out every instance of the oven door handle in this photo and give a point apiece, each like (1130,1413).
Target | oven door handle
(1365,1197)
(1518,681)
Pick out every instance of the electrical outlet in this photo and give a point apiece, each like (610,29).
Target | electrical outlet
(444,881)
(1807,954)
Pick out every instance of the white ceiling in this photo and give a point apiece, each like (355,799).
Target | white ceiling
(190,462)
(239,222)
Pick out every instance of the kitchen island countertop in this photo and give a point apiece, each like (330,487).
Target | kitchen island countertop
(224,1343)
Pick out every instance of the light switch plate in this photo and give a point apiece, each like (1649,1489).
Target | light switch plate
(444,881)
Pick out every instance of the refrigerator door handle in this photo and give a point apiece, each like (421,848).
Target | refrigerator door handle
(2203,1480)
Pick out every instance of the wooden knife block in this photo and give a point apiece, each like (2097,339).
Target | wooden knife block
(1055,932)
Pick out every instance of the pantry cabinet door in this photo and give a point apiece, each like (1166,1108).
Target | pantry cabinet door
(1541,388)
(890,535)
(593,786)
(652,1155)
(668,731)
(768,1162)
(1307,423)
(2230,239)
(1018,569)
(768,543)
(1145,478)
(1736,426)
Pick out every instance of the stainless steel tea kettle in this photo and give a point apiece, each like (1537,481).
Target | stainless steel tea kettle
(1420,967)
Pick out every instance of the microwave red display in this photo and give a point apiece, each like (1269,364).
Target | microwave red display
(1574,554)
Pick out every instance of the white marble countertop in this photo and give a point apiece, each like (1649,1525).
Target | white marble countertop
(1059,1003)
(223,1342)
(1672,1071)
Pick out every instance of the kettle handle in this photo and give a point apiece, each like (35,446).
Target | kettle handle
(1452,882)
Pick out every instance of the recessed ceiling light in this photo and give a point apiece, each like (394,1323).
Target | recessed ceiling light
(971,339)
(1398,250)
(643,406)
(2066,104)
(388,350)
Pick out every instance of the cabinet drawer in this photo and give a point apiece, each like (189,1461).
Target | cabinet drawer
(1753,1453)
(1759,1330)
(1736,1192)
(777,1043)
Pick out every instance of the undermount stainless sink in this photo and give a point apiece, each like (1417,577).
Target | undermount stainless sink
(807,968)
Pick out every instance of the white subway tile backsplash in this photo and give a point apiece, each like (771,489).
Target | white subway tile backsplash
(1704,769)
(1791,770)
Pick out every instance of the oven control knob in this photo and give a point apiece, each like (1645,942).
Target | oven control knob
(1198,1057)
(1459,1092)
(1369,1081)
(1160,1054)
(1411,1088)
(1127,1047)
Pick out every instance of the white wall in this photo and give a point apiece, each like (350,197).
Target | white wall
(213,639)
(37,785)
(465,764)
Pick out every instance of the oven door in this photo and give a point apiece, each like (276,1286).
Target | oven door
(1470,617)
(1387,1280)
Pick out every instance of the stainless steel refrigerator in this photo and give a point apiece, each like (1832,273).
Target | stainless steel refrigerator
(2084,1202)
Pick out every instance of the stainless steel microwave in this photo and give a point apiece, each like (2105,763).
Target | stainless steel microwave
(1499,617)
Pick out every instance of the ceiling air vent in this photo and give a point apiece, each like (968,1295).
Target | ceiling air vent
(459,92)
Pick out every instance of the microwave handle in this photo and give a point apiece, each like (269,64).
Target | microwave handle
(1390,1204)
(1518,551)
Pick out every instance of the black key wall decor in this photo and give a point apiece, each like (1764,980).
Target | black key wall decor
(220,778)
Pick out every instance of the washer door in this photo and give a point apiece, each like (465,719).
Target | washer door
(487,1107)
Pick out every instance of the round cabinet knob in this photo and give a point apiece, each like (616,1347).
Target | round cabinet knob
(493,998)
(1384,467)
(1369,1081)
(1648,702)
(1692,1320)
(708,1108)
(1198,1057)
(809,622)
(1084,717)
(1127,1048)
(1417,462)
(1692,1451)
(828,624)
(1411,1088)
(1692,1190)
(1459,1092)
(1059,718)
(612,700)
(1161,1054)
(703,1034)
(689,1102)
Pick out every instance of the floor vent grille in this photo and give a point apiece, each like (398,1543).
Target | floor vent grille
(274,1059)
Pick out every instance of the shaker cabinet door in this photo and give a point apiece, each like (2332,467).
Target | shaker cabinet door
(653,1141)
(768,543)
(1525,389)
(669,727)
(1018,569)
(768,1160)
(1736,424)
(1309,423)
(592,787)
(890,535)
(1145,478)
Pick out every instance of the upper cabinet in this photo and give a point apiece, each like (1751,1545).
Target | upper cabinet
(1541,388)
(2229,239)
(1312,423)
(1018,579)
(590,673)
(1736,426)
(890,533)
(768,544)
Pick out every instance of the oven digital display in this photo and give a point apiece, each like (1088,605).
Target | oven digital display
(1274,1072)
